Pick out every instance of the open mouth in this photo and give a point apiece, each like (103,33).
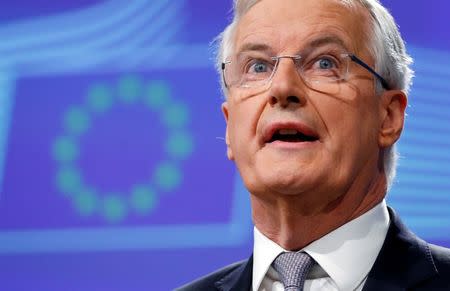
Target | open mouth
(289,132)
(291,135)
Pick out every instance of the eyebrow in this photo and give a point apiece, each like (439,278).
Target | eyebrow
(324,40)
(317,42)
(255,47)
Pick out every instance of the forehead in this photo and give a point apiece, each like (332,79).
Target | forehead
(289,24)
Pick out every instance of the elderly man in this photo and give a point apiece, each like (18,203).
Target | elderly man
(315,102)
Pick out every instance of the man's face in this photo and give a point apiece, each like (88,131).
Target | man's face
(343,147)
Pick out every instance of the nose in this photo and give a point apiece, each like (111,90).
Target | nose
(287,87)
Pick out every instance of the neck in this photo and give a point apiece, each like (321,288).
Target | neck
(294,221)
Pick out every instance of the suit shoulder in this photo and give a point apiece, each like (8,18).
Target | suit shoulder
(207,282)
(441,258)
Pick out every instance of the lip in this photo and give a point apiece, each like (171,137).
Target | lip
(270,130)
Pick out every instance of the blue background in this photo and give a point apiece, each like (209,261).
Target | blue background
(113,174)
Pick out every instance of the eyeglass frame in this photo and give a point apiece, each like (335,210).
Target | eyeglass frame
(352,57)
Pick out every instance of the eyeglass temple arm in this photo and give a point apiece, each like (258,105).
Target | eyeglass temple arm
(223,74)
(384,83)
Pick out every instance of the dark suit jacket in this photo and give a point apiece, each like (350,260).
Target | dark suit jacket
(405,262)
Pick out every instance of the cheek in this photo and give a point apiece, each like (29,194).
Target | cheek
(243,120)
(352,134)
(352,116)
(354,131)
(240,133)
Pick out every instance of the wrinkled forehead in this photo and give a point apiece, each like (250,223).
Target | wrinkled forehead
(289,25)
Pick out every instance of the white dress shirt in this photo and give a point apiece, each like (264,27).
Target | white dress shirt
(344,256)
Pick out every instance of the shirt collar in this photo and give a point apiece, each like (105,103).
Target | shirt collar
(346,254)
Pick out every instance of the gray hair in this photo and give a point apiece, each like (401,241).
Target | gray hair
(386,46)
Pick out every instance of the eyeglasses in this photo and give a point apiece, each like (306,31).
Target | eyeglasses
(321,71)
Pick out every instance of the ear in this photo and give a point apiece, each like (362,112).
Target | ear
(227,136)
(393,105)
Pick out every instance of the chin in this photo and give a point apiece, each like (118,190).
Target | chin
(287,182)
(289,176)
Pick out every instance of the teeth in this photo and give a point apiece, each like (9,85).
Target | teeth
(287,131)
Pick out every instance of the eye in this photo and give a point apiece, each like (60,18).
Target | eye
(258,66)
(325,63)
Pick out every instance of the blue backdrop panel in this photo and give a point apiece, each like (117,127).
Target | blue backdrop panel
(113,171)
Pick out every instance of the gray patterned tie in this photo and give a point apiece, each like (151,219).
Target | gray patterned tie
(293,268)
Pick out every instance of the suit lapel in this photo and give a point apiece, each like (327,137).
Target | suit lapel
(239,279)
(403,262)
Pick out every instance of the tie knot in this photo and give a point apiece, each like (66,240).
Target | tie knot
(293,268)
